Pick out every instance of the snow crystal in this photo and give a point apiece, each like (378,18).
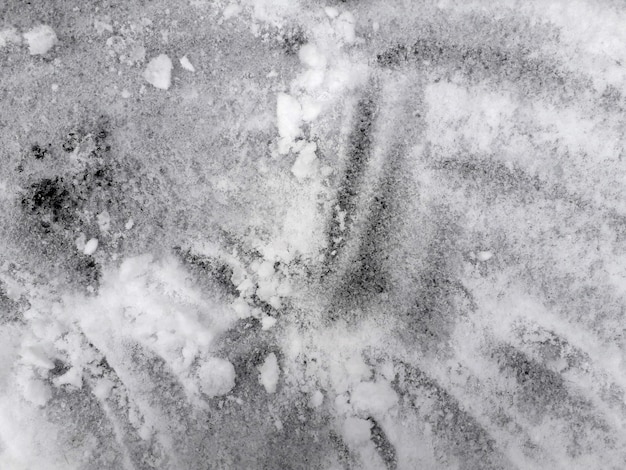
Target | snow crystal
(40,39)
(158,72)
(91,246)
(269,373)
(217,377)
(184,62)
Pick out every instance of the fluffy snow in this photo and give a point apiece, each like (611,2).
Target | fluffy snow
(269,373)
(158,72)
(40,39)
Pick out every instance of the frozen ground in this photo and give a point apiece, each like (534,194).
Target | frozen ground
(281,234)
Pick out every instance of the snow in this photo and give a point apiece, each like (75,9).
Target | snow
(269,373)
(186,64)
(9,36)
(40,39)
(316,400)
(231,11)
(375,398)
(289,118)
(356,431)
(217,377)
(305,165)
(158,72)
(91,246)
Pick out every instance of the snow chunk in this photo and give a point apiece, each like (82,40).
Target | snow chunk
(317,398)
(91,246)
(231,11)
(217,377)
(9,36)
(269,373)
(356,431)
(289,118)
(267,322)
(104,221)
(184,61)
(305,165)
(345,26)
(373,397)
(158,73)
(484,255)
(332,12)
(73,377)
(40,39)
(311,57)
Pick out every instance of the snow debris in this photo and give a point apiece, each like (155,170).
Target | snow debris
(9,36)
(484,255)
(269,373)
(104,221)
(125,93)
(345,26)
(332,12)
(310,56)
(103,388)
(231,11)
(129,224)
(289,117)
(217,377)
(91,246)
(73,377)
(184,62)
(40,39)
(267,322)
(158,72)
(373,397)
(306,163)
(317,398)
(356,431)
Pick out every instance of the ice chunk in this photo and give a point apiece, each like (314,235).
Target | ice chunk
(269,373)
(184,61)
(217,377)
(91,246)
(158,72)
(373,397)
(40,39)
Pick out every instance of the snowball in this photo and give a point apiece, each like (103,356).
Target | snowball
(217,377)
(289,117)
(373,397)
(184,61)
(40,39)
(91,246)
(158,72)
(356,431)
(269,373)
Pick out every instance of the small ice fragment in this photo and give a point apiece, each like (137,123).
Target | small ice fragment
(125,93)
(231,11)
(306,163)
(40,39)
(373,397)
(269,373)
(103,388)
(158,72)
(267,322)
(310,56)
(8,36)
(289,118)
(104,221)
(184,61)
(484,255)
(55,87)
(129,224)
(217,377)
(91,246)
